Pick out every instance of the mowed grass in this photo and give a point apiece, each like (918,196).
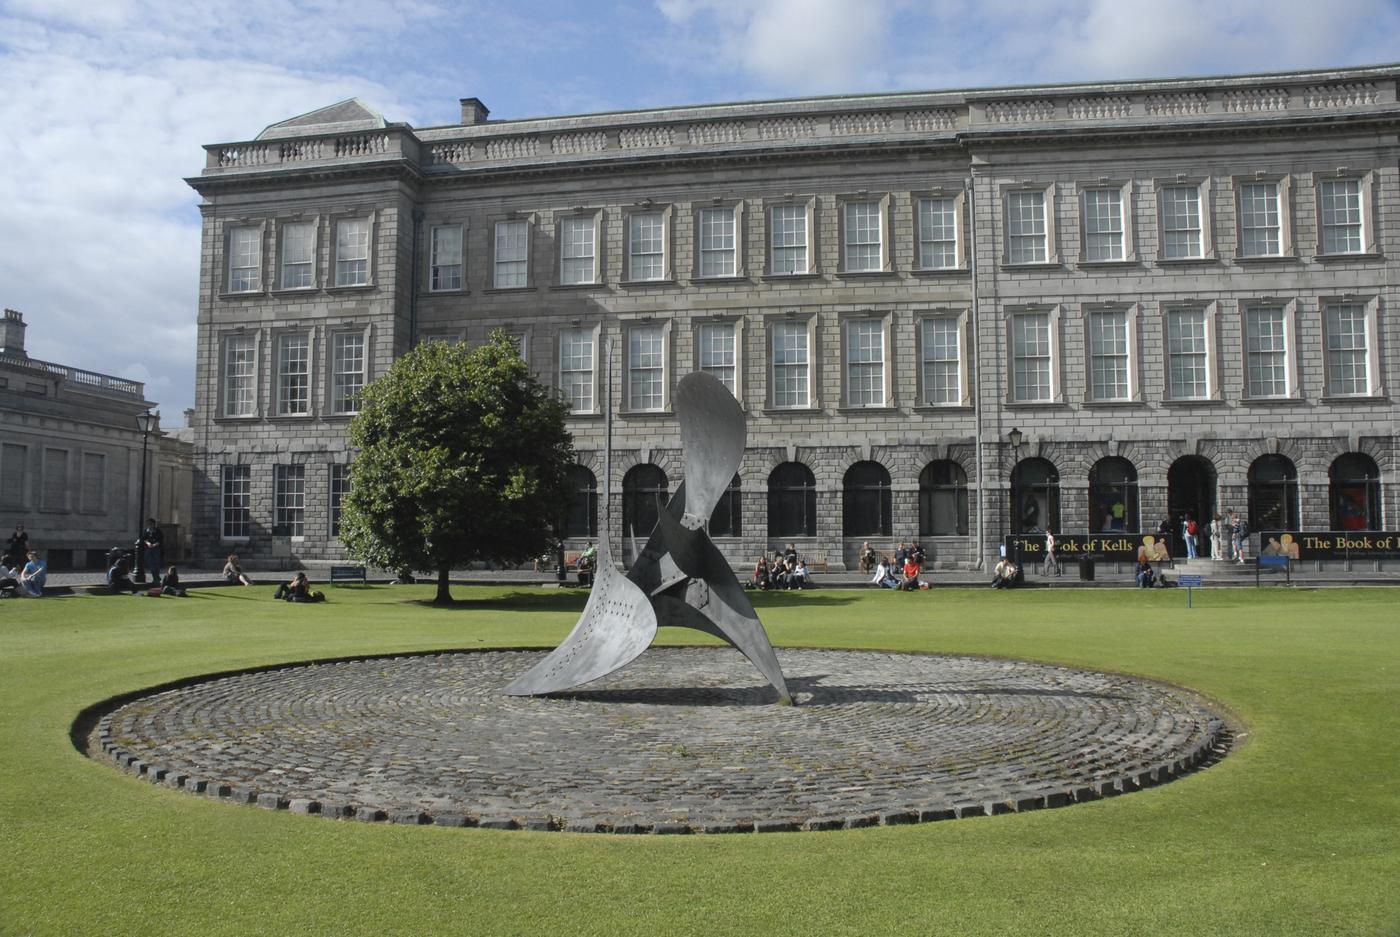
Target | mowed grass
(1296,833)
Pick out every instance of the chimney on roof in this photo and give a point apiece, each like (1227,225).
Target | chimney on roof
(474,112)
(12,334)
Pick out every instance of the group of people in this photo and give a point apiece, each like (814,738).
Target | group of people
(1228,534)
(904,572)
(119,581)
(786,570)
(22,572)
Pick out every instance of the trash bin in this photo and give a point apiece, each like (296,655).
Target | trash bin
(1086,569)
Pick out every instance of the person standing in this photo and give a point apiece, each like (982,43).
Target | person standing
(1227,536)
(1241,535)
(151,541)
(1215,530)
(17,547)
(1188,533)
(1051,564)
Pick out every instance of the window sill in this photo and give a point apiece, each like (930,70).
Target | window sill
(243,539)
(460,291)
(577,286)
(1033,267)
(941,272)
(583,415)
(1343,258)
(347,415)
(793,411)
(943,408)
(291,417)
(351,288)
(1270,259)
(1354,399)
(1035,405)
(780,277)
(849,410)
(645,414)
(244,294)
(1271,401)
(1113,404)
(248,418)
(634,284)
(721,280)
(295,290)
(1186,261)
(509,289)
(1195,402)
(866,274)
(1110,264)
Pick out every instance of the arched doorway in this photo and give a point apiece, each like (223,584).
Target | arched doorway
(1035,497)
(792,501)
(583,505)
(1355,492)
(943,499)
(1191,491)
(1113,496)
(643,499)
(866,501)
(1273,493)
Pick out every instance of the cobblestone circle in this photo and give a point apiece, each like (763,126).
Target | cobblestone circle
(684,740)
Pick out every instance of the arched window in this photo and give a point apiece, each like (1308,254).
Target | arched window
(1355,492)
(1035,497)
(1273,494)
(792,501)
(643,499)
(1113,496)
(942,499)
(865,501)
(583,504)
(724,520)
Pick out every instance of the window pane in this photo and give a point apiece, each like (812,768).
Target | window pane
(447,259)
(942,375)
(1341,216)
(352,252)
(645,360)
(1108,354)
(1030,351)
(938,234)
(647,241)
(577,245)
(293,375)
(245,260)
(237,499)
(789,242)
(298,255)
(240,370)
(347,371)
(1103,224)
(790,364)
(576,368)
(1259,220)
(865,364)
(717,353)
(289,500)
(717,242)
(1025,227)
(863,236)
(338,488)
(512,253)
(1188,354)
(1347,372)
(1181,222)
(1267,352)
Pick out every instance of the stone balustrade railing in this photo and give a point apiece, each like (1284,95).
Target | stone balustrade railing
(442,149)
(87,380)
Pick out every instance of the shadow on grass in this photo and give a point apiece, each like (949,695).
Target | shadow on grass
(545,600)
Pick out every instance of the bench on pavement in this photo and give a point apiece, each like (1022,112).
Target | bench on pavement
(349,574)
(817,560)
(1273,564)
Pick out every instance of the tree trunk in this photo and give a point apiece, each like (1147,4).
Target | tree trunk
(443,597)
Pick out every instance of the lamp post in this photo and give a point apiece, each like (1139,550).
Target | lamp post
(1014,438)
(145,422)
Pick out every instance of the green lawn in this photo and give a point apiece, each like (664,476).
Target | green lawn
(1297,832)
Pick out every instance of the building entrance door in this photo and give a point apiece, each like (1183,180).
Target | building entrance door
(1191,490)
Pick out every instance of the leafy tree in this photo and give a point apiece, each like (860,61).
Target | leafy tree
(463,456)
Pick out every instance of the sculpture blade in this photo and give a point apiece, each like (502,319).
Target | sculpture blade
(712,439)
(617,625)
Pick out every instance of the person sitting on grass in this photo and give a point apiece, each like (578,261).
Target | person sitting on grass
(33,576)
(760,573)
(1004,574)
(233,573)
(884,578)
(170,584)
(298,590)
(119,577)
(800,578)
(9,581)
(910,582)
(1146,578)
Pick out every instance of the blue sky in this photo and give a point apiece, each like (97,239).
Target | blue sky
(106,103)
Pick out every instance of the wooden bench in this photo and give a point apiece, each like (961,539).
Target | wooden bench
(1273,564)
(817,560)
(349,574)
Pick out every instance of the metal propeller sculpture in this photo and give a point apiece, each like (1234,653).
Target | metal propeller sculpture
(680,577)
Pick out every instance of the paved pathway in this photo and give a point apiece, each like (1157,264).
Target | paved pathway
(683,740)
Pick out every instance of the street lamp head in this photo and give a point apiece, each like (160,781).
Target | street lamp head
(147,421)
(1014,437)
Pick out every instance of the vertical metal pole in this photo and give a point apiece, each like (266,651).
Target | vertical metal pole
(607,441)
(140,571)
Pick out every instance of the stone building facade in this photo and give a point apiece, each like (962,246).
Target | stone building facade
(950,316)
(71,460)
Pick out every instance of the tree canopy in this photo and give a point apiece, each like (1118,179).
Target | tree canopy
(463,456)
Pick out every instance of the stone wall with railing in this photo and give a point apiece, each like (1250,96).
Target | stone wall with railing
(86,380)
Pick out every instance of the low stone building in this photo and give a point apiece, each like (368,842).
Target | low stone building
(950,316)
(71,456)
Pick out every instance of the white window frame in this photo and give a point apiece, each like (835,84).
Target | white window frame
(245,473)
(1055,390)
(1370,331)
(846,205)
(808,230)
(1209,338)
(735,211)
(444,284)
(348,277)
(279,382)
(1365,196)
(660,365)
(1284,202)
(593,332)
(961,330)
(958,204)
(807,325)
(853,356)
(1204,218)
(1010,195)
(309,265)
(334,374)
(234,282)
(227,377)
(287,501)
(527,227)
(1132,387)
(1127,245)
(1288,333)
(662,215)
(703,362)
(568,249)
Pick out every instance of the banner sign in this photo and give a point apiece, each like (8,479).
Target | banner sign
(1110,547)
(1330,544)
